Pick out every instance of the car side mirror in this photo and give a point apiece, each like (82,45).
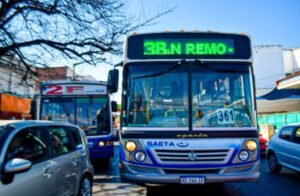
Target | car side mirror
(113,81)
(114,106)
(17,165)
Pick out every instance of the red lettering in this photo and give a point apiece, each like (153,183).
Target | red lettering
(54,90)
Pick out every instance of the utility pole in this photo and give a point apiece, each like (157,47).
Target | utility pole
(74,73)
(10,80)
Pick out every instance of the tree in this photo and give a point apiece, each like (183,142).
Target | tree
(79,31)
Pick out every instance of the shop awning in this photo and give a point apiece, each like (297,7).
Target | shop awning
(290,82)
(276,94)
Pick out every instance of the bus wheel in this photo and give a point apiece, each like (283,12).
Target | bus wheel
(274,166)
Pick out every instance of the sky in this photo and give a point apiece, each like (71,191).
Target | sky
(268,22)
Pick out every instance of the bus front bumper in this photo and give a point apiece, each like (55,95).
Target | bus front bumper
(102,152)
(230,174)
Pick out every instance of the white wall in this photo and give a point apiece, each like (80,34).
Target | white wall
(291,60)
(296,53)
(268,66)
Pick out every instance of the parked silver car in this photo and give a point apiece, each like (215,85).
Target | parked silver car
(284,149)
(44,158)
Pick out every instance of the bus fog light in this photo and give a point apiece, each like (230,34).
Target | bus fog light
(101,143)
(243,155)
(140,156)
(130,146)
(128,157)
(251,145)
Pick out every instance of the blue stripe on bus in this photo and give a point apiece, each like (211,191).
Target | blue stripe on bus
(122,154)
(150,156)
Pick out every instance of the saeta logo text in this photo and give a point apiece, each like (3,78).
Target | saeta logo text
(160,143)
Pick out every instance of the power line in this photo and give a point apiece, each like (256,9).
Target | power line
(269,77)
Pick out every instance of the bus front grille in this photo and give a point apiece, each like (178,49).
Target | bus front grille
(204,156)
(184,171)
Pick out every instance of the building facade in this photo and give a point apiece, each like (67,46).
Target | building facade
(277,70)
(16,92)
(12,78)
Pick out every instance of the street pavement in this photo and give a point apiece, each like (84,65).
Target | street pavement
(107,182)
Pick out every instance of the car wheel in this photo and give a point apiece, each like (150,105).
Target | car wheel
(85,187)
(274,166)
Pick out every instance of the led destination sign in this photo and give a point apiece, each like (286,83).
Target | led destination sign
(188,47)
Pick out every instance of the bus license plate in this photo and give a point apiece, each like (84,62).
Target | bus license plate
(192,180)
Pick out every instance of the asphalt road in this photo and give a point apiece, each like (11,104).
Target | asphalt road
(107,182)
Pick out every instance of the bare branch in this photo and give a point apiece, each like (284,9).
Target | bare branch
(74,30)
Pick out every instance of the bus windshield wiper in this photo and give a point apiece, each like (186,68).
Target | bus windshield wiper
(163,72)
(212,68)
(204,65)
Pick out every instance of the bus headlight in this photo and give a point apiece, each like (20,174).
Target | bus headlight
(244,155)
(101,143)
(140,156)
(130,146)
(251,145)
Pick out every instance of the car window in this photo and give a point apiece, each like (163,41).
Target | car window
(297,135)
(61,141)
(286,133)
(29,144)
(76,137)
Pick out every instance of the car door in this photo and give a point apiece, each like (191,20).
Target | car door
(30,144)
(283,145)
(295,148)
(64,157)
(80,155)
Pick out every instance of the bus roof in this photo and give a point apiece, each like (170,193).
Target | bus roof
(188,32)
(74,82)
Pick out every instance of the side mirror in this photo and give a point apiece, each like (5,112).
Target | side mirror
(17,165)
(113,81)
(114,106)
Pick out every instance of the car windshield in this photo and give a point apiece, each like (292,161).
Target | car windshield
(157,95)
(4,131)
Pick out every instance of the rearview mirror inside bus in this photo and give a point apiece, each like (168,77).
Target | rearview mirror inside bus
(113,81)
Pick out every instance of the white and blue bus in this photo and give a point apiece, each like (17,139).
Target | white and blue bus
(188,109)
(84,103)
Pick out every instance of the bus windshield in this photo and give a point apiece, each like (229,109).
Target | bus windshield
(81,111)
(222,96)
(161,89)
(158,95)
